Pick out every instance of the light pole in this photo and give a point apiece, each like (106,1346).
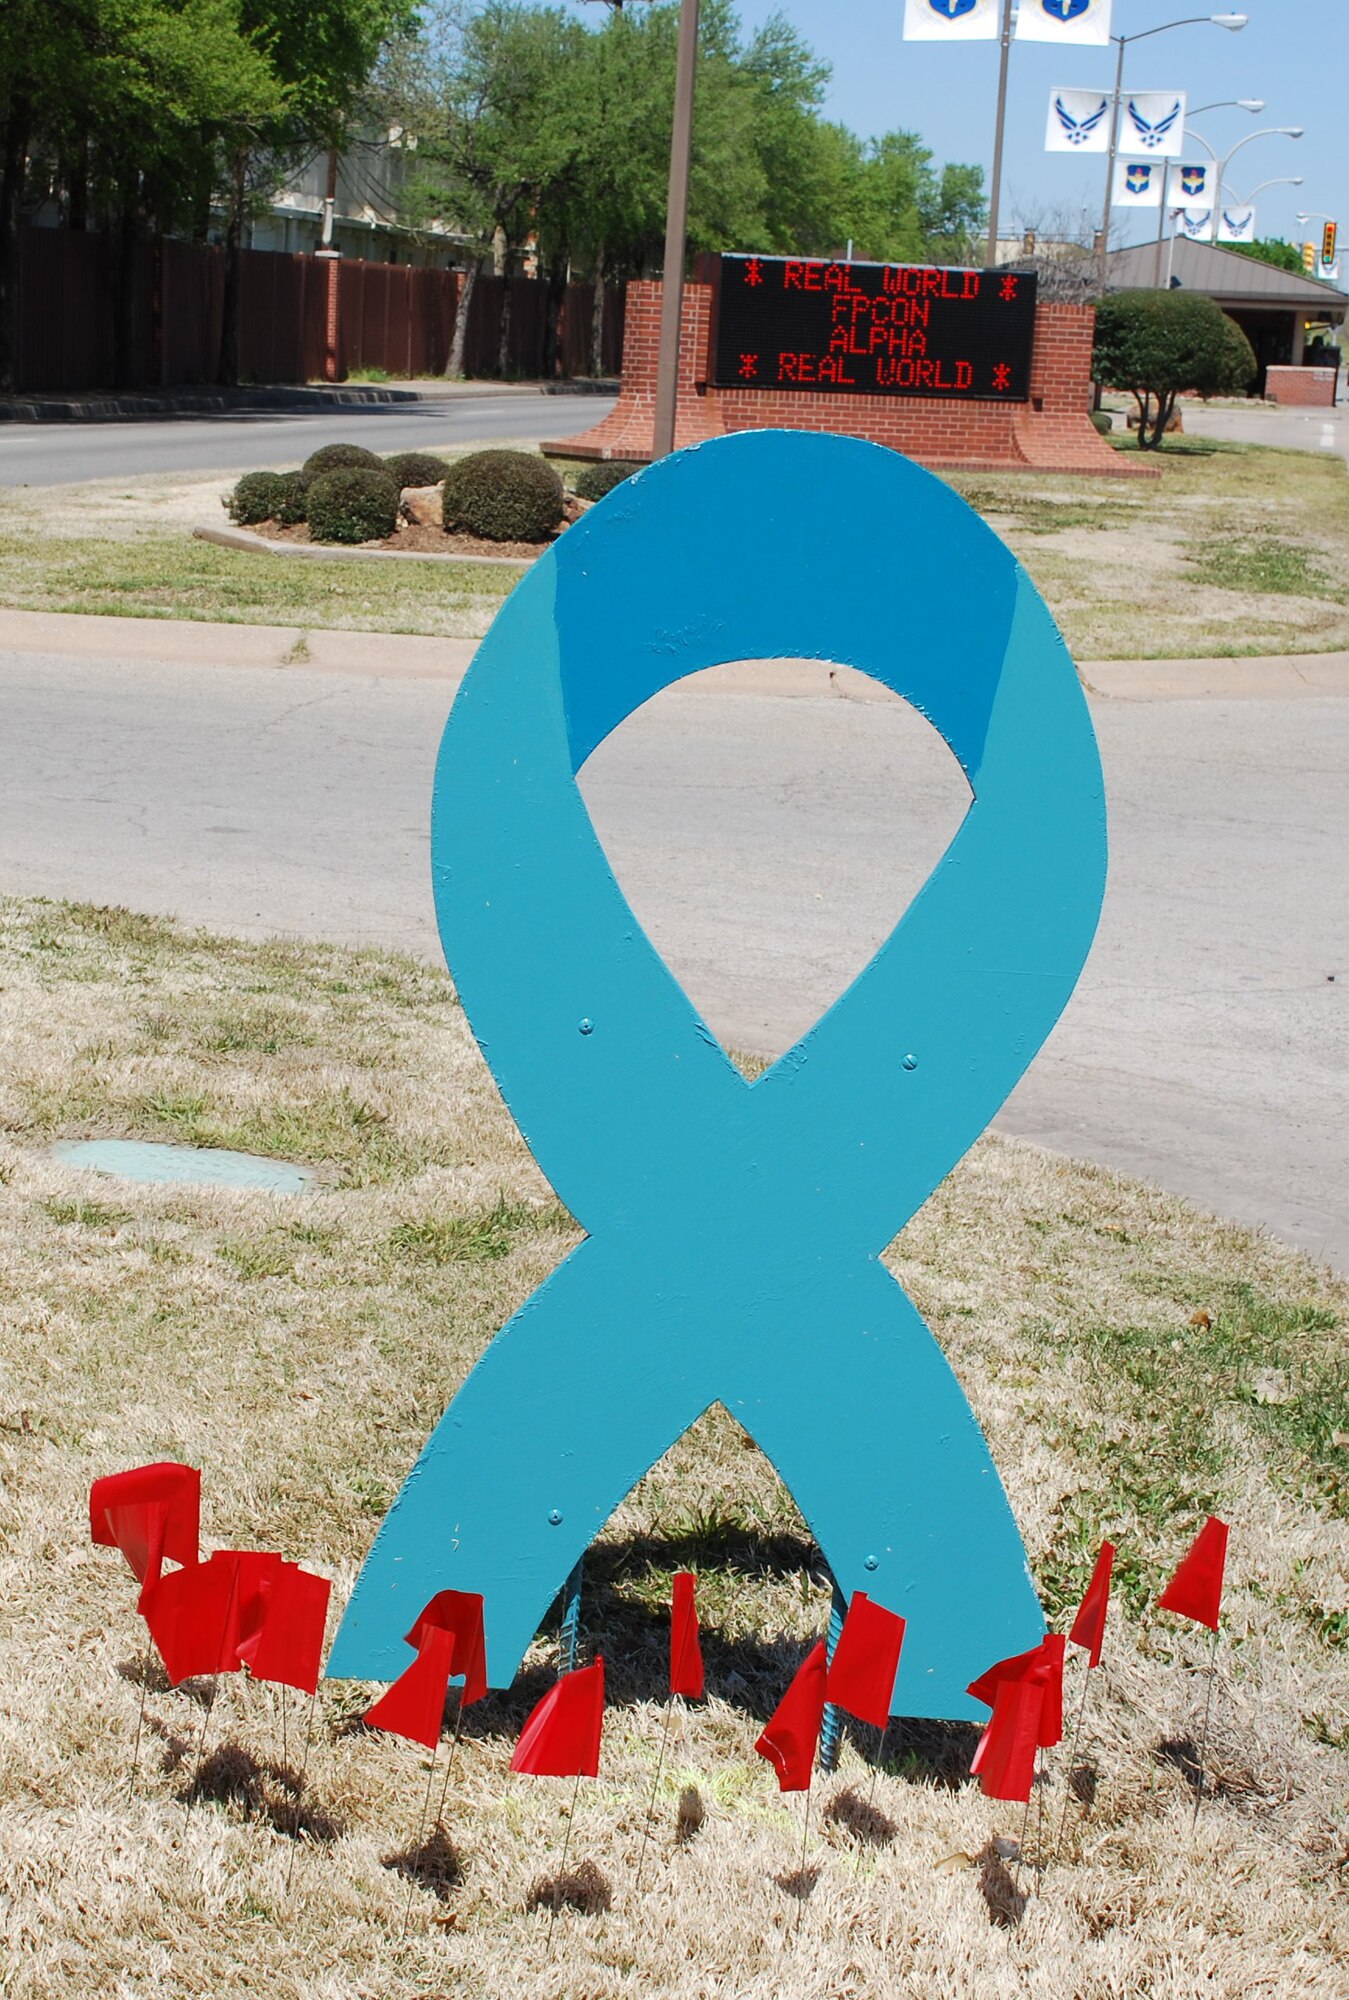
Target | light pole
(1251,104)
(1220,165)
(1279,180)
(995,185)
(676,230)
(1232,22)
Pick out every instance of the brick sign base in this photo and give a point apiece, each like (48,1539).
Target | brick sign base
(1050,433)
(1312,387)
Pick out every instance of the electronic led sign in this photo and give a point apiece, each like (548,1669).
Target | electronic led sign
(873,329)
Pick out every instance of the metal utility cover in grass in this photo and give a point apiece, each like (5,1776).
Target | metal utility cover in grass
(735,1229)
(197,1166)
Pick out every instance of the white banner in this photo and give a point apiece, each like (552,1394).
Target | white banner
(1153,121)
(1236,225)
(951,20)
(1063,21)
(1195,224)
(1079,122)
(1192,185)
(1138,183)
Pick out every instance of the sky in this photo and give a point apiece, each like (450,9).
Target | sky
(1293,53)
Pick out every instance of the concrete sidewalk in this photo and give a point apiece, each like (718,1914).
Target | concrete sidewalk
(192,642)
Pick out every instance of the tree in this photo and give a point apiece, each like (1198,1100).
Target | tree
(1157,344)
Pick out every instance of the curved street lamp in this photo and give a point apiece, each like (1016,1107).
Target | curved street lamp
(1232,22)
(1220,165)
(1251,104)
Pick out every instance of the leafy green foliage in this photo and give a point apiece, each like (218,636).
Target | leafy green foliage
(336,457)
(355,503)
(293,501)
(504,496)
(592,482)
(417,468)
(258,496)
(1157,344)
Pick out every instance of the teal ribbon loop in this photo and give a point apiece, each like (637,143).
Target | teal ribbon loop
(734,1230)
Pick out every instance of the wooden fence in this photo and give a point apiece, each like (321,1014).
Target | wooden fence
(398,317)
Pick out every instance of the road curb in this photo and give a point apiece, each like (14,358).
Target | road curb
(297,398)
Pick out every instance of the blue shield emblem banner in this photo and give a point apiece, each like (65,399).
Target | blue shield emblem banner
(950,20)
(1064,21)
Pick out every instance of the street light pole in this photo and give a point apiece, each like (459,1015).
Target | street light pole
(1251,104)
(676,231)
(1232,22)
(995,189)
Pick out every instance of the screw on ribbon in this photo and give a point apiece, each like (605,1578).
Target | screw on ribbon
(734,1230)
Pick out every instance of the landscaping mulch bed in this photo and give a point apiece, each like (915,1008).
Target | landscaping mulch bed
(412,538)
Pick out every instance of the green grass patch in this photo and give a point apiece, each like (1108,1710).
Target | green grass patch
(1265,568)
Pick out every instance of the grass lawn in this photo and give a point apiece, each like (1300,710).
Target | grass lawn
(1236,550)
(1134,1363)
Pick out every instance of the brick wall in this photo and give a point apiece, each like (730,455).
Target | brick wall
(1307,386)
(1051,432)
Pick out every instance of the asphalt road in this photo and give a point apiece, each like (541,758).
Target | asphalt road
(53,453)
(1261,423)
(769,844)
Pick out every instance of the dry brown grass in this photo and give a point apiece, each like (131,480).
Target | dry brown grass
(299,1350)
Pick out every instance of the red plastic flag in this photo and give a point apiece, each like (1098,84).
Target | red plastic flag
(1196,1589)
(150,1513)
(415,1705)
(200,1617)
(1088,1628)
(866,1660)
(1041,1667)
(793,1730)
(288,1644)
(459,1612)
(686,1653)
(562,1737)
(1005,1759)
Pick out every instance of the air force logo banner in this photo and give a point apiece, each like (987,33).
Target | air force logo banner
(1195,224)
(1138,183)
(1236,225)
(1063,21)
(1153,122)
(1190,184)
(951,20)
(1079,122)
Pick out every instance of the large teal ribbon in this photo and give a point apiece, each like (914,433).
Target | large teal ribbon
(734,1230)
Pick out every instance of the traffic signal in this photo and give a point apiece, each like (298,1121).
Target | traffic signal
(1309,256)
(1329,238)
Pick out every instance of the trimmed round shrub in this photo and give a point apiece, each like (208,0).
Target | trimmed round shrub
(504,496)
(594,481)
(293,506)
(333,457)
(259,496)
(357,503)
(416,468)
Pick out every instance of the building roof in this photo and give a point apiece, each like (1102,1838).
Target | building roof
(1228,277)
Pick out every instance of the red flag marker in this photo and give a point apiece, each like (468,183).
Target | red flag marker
(793,1730)
(1196,1589)
(862,1672)
(1041,1667)
(1005,1759)
(562,1737)
(199,1617)
(151,1513)
(1088,1628)
(459,1612)
(287,1646)
(686,1653)
(414,1706)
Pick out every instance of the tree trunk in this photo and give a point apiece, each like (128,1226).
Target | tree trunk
(552,324)
(597,317)
(124,285)
(504,329)
(11,197)
(499,251)
(454,367)
(227,372)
